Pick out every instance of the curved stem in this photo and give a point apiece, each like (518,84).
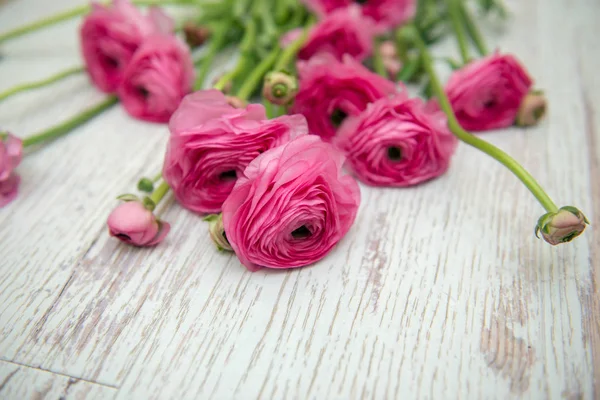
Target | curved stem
(37,84)
(292,50)
(473,30)
(378,60)
(75,12)
(257,74)
(474,141)
(67,126)
(158,193)
(456,21)
(157,177)
(246,46)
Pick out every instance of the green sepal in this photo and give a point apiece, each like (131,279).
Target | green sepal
(211,217)
(149,203)
(128,197)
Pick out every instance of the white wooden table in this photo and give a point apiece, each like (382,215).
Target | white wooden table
(437,292)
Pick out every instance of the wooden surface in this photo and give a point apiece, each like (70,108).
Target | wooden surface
(437,292)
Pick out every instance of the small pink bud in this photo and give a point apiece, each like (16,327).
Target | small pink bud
(133,224)
(532,109)
(195,35)
(217,232)
(280,88)
(562,226)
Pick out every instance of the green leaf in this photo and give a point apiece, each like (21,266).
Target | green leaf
(128,197)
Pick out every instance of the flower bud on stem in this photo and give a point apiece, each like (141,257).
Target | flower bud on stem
(217,232)
(489,148)
(67,126)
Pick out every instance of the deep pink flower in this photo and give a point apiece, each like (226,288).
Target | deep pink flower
(159,75)
(11,153)
(110,35)
(291,205)
(211,144)
(397,142)
(344,31)
(387,13)
(330,90)
(133,224)
(487,93)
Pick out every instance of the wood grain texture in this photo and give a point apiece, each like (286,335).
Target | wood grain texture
(439,291)
(23,382)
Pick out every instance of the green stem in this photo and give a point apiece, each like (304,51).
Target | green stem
(290,52)
(246,46)
(456,21)
(473,30)
(37,84)
(67,126)
(157,177)
(257,74)
(159,192)
(75,12)
(378,65)
(474,141)
(215,45)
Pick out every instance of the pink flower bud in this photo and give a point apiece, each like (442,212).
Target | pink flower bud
(533,108)
(133,224)
(11,153)
(562,226)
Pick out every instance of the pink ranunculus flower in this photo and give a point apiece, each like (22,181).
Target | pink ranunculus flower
(386,13)
(133,224)
(330,90)
(159,75)
(486,94)
(291,206)
(344,31)
(11,153)
(397,142)
(110,35)
(211,144)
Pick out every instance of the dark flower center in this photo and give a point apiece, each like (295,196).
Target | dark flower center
(337,117)
(394,153)
(301,233)
(360,1)
(230,175)
(112,62)
(123,236)
(225,237)
(489,103)
(570,236)
(143,92)
(539,112)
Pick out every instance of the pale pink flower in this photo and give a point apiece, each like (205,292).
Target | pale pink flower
(157,78)
(211,144)
(397,142)
(133,224)
(11,153)
(110,35)
(561,226)
(330,90)
(487,93)
(291,206)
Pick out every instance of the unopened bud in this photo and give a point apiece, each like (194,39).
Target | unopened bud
(195,35)
(145,185)
(532,109)
(561,226)
(217,233)
(280,88)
